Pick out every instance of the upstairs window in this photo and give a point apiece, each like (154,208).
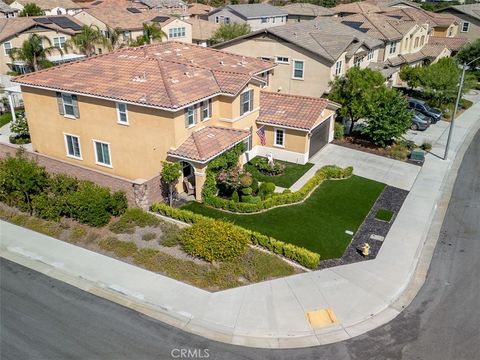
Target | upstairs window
(122,113)
(282,60)
(358,61)
(264,20)
(68,105)
(206,109)
(338,68)
(371,53)
(422,40)
(246,102)
(73,146)
(59,42)
(190,116)
(178,32)
(298,69)
(393,47)
(102,153)
(279,137)
(7,47)
(416,42)
(465,26)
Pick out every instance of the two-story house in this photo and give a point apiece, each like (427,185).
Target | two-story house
(308,54)
(129,21)
(14,31)
(258,16)
(7,11)
(405,41)
(298,12)
(51,7)
(468,17)
(121,114)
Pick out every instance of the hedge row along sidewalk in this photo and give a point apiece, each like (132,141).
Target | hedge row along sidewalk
(298,254)
(286,198)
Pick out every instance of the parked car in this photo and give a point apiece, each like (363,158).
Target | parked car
(420,121)
(420,105)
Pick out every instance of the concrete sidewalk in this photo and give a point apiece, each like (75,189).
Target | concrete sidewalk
(271,314)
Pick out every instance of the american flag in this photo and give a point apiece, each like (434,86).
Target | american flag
(261,135)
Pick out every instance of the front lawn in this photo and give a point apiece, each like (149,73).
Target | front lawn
(291,174)
(5,118)
(319,223)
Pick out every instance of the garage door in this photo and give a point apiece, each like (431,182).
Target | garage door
(319,137)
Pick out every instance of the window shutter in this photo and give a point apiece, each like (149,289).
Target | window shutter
(76,113)
(210,107)
(60,104)
(251,100)
(186,117)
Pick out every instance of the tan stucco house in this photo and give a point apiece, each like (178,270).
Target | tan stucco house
(51,7)
(308,54)
(14,31)
(468,17)
(121,114)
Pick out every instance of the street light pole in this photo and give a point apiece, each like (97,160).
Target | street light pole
(459,96)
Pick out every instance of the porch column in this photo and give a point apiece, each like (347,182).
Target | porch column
(200,177)
(12,107)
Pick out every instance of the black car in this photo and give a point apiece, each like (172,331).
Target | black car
(421,106)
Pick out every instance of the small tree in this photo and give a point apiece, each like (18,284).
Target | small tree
(389,117)
(470,52)
(411,75)
(229,31)
(34,52)
(87,39)
(169,175)
(151,33)
(31,9)
(354,91)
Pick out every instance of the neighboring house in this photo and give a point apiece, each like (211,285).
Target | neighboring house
(123,113)
(199,11)
(468,18)
(14,31)
(403,41)
(130,22)
(258,16)
(51,7)
(202,31)
(7,11)
(305,11)
(171,7)
(453,44)
(308,54)
(399,4)
(359,7)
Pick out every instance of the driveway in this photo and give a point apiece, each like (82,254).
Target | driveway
(391,172)
(431,135)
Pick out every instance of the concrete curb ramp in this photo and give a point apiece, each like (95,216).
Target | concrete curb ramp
(273,314)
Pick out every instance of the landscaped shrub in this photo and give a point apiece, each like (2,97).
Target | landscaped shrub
(254,186)
(214,240)
(19,139)
(48,207)
(247,191)
(235,196)
(246,181)
(264,167)
(89,204)
(148,236)
(398,151)
(266,189)
(134,217)
(118,247)
(426,146)
(338,131)
(118,203)
(301,255)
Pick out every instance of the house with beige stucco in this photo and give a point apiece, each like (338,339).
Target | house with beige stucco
(57,29)
(308,54)
(51,7)
(129,22)
(121,114)
(468,17)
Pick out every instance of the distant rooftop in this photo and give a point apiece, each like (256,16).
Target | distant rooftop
(472,9)
(307,9)
(252,11)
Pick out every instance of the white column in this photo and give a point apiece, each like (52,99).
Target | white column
(12,107)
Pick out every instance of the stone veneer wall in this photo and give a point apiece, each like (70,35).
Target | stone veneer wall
(140,194)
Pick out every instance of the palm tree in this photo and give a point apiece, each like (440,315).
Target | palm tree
(33,53)
(87,39)
(113,38)
(151,32)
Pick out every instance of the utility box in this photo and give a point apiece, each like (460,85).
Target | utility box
(417,156)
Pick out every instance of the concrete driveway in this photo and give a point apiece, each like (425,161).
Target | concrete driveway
(391,172)
(431,135)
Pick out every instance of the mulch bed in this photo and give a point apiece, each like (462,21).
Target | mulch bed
(391,198)
(353,142)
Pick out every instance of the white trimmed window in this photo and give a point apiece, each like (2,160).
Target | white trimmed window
(358,61)
(282,60)
(370,54)
(178,32)
(338,67)
(190,116)
(465,26)
(7,47)
(72,143)
(279,139)
(122,113)
(264,20)
(59,41)
(226,20)
(246,102)
(217,20)
(206,109)
(102,153)
(298,69)
(68,104)
(393,47)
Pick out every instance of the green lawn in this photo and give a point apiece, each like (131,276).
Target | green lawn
(292,173)
(384,214)
(319,223)
(5,118)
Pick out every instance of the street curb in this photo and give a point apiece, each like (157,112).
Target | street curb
(186,322)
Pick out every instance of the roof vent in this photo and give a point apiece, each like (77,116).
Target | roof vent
(174,81)
(221,62)
(187,74)
(211,136)
(140,78)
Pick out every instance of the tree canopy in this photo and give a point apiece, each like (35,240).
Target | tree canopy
(470,52)
(87,40)
(354,91)
(31,9)
(151,33)
(229,31)
(34,53)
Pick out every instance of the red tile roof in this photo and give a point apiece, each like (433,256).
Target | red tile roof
(208,142)
(169,75)
(453,44)
(299,112)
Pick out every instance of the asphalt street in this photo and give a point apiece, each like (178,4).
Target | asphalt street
(42,318)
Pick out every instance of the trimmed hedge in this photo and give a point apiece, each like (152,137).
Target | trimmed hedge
(301,255)
(325,173)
